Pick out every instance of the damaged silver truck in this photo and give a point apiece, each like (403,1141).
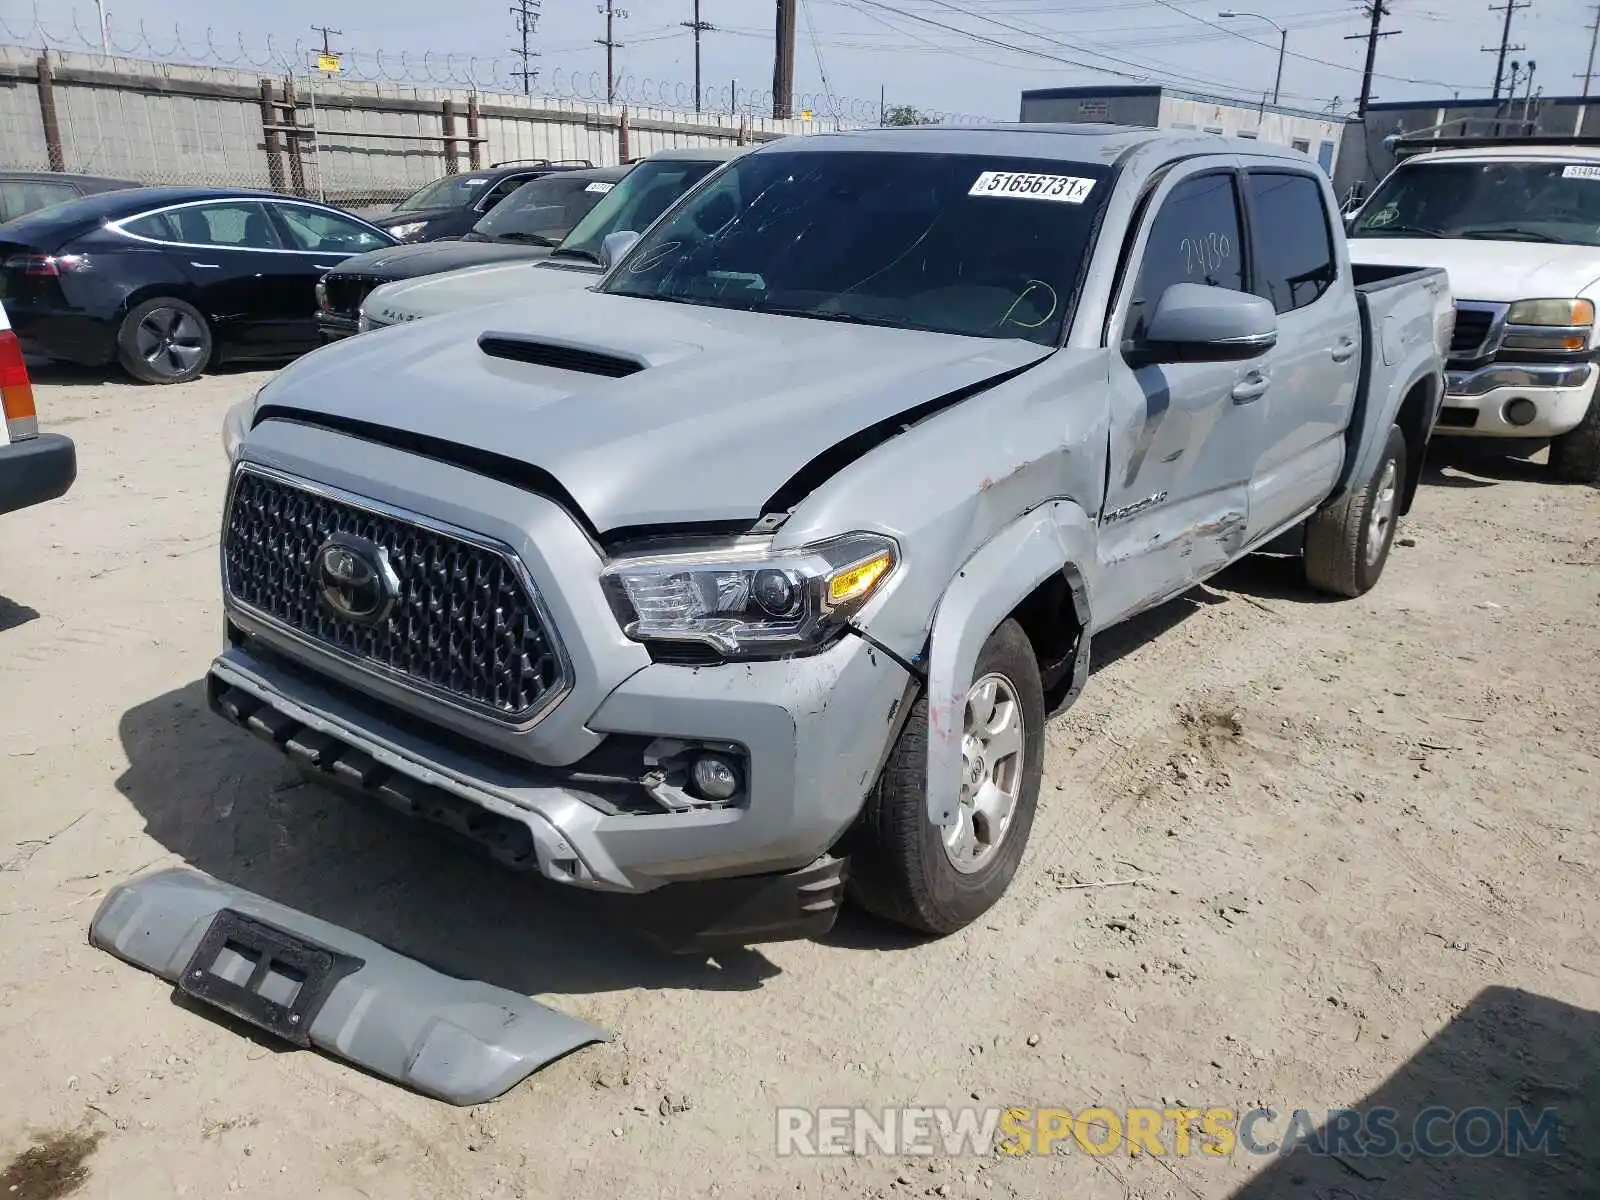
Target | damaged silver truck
(748,577)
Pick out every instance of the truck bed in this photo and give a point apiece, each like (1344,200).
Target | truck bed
(1406,317)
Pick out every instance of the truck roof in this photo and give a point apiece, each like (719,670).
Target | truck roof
(1080,141)
(1509,151)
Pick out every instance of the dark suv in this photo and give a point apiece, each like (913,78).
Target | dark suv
(450,206)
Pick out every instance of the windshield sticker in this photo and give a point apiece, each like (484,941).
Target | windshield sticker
(1580,171)
(600,188)
(1387,215)
(1021,185)
(475,181)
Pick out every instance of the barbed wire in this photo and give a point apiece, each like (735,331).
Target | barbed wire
(211,49)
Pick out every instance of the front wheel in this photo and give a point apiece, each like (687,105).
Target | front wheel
(165,340)
(1575,455)
(1348,543)
(908,870)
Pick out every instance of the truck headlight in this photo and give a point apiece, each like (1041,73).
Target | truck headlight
(363,320)
(1551,312)
(750,601)
(407,229)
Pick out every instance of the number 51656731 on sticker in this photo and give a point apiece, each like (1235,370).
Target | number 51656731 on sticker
(1023,185)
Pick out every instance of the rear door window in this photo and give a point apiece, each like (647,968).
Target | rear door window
(233,224)
(1292,247)
(1195,238)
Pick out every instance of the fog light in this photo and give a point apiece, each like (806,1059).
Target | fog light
(715,777)
(1521,411)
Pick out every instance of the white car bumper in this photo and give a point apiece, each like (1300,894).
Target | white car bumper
(1522,400)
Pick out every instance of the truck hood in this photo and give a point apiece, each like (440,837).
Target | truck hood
(1492,271)
(430,258)
(471,287)
(726,405)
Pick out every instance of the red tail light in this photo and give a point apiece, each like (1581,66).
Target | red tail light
(16,393)
(47,266)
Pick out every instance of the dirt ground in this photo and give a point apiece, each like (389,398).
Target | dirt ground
(1351,852)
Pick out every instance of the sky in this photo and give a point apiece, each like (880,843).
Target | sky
(965,57)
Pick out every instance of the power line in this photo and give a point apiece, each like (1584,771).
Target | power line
(816,49)
(699,27)
(1509,8)
(1321,62)
(526,15)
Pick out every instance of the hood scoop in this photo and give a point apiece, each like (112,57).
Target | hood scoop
(563,356)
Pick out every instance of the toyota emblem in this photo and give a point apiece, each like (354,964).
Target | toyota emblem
(354,579)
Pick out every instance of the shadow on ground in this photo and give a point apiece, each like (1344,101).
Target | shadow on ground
(13,614)
(235,809)
(62,374)
(1481,463)
(1507,1052)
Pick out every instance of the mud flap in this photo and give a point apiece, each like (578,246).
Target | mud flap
(315,984)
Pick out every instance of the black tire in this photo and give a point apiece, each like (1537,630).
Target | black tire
(164,340)
(899,868)
(1575,455)
(1345,548)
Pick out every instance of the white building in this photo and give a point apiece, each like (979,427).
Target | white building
(1313,133)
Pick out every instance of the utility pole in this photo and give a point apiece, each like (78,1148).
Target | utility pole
(613,14)
(526,15)
(1377,11)
(1594,36)
(699,27)
(783,62)
(1509,8)
(325,31)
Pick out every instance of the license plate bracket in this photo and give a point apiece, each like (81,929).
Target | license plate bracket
(264,975)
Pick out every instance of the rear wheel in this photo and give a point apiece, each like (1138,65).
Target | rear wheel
(1575,455)
(908,870)
(165,340)
(1347,543)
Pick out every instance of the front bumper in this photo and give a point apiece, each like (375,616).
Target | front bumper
(35,470)
(1477,402)
(813,733)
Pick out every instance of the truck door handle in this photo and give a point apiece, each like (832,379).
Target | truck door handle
(206,266)
(321,267)
(1344,349)
(1252,387)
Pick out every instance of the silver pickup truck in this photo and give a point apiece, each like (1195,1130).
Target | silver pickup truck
(749,576)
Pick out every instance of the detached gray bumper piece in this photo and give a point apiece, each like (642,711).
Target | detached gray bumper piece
(315,984)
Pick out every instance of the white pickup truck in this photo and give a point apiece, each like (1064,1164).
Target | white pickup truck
(1517,226)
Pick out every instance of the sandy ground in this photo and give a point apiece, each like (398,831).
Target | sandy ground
(1361,838)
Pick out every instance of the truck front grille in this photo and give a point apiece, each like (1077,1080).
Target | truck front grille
(463,625)
(346,292)
(1477,332)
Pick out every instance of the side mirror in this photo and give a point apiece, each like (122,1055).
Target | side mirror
(616,246)
(1196,323)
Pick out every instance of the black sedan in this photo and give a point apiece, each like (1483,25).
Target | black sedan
(23,192)
(450,206)
(527,224)
(167,281)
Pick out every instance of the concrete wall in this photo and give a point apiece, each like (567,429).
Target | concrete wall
(160,123)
